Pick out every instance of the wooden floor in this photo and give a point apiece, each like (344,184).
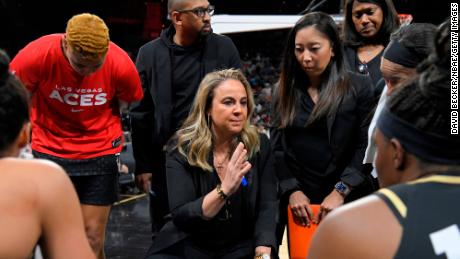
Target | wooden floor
(128,232)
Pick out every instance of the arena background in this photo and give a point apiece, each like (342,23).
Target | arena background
(134,22)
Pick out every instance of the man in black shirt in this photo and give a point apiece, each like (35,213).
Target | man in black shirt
(171,68)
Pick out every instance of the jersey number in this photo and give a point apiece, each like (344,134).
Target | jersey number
(447,241)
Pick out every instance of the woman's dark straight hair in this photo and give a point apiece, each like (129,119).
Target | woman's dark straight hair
(335,82)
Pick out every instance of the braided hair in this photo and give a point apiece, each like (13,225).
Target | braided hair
(425,101)
(14,105)
(88,34)
(416,37)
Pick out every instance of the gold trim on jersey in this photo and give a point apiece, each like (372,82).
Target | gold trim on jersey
(397,202)
(450,179)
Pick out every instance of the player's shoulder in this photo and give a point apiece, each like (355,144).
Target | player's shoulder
(359,222)
(32,168)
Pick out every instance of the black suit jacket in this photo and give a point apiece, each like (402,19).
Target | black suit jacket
(347,137)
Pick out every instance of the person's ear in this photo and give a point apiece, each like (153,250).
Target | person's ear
(176,18)
(24,135)
(399,154)
(65,46)
(64,42)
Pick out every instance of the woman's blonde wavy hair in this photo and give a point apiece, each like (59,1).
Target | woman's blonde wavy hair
(195,139)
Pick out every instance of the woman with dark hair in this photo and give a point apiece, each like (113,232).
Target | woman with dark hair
(221,178)
(319,126)
(366,31)
(409,46)
(38,204)
(418,162)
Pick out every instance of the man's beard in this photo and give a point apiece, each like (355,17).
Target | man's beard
(203,32)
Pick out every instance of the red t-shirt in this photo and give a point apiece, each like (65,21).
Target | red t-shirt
(74,116)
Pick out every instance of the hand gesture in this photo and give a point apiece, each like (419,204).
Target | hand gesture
(237,167)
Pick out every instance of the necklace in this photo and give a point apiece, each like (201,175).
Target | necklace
(220,165)
(367,53)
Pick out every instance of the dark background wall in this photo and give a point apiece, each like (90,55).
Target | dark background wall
(24,20)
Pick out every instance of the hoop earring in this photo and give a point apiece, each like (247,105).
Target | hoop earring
(208,120)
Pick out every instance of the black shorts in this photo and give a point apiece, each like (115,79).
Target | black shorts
(95,179)
(99,190)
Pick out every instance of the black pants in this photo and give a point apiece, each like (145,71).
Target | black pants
(158,197)
(188,250)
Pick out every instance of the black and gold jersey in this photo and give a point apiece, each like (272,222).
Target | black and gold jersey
(428,210)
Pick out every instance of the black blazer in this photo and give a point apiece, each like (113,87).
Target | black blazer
(347,136)
(187,186)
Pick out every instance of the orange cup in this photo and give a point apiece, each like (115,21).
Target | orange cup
(299,237)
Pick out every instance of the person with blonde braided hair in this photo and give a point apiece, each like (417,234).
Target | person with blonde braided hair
(78,81)
(88,35)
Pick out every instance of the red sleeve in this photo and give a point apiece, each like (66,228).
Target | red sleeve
(127,83)
(27,65)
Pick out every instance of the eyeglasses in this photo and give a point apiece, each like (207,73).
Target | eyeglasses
(200,11)
(362,68)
